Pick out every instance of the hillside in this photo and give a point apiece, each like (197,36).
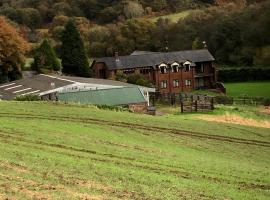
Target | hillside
(50,151)
(175,17)
(36,14)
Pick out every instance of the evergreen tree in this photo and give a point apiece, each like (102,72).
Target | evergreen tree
(73,55)
(45,58)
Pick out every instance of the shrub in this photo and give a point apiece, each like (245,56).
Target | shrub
(266,102)
(120,76)
(138,79)
(224,100)
(27,98)
(113,108)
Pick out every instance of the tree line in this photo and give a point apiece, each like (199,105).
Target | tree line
(236,34)
(34,14)
(14,48)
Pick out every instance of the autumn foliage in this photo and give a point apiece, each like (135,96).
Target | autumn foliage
(12,50)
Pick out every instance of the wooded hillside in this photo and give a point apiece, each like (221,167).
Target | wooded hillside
(236,31)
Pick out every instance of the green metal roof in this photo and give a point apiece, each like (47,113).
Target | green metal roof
(109,97)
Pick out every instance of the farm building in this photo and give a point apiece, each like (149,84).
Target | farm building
(51,87)
(131,96)
(171,72)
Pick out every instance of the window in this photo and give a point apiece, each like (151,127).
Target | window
(129,71)
(199,68)
(187,67)
(145,71)
(175,68)
(175,83)
(188,82)
(163,70)
(163,84)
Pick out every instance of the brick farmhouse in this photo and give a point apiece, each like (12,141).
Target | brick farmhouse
(170,72)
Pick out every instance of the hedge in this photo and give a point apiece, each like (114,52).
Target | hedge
(244,74)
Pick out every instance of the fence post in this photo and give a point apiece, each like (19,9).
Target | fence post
(196,106)
(182,107)
(212,103)
(172,98)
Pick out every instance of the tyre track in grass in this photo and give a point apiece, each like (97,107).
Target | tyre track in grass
(141,127)
(121,161)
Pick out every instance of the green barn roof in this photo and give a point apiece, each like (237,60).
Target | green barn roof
(109,97)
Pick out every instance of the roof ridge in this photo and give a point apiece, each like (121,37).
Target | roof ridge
(151,53)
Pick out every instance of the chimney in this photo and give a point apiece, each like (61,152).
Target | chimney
(116,55)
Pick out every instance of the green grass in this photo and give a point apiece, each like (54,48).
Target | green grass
(253,89)
(79,152)
(173,17)
(28,63)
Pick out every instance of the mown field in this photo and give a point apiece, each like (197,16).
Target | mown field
(253,89)
(50,151)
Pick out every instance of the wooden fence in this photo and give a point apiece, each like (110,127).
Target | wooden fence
(186,101)
(244,100)
(197,106)
(176,99)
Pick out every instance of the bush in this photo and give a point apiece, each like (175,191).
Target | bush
(27,98)
(120,76)
(138,79)
(224,100)
(113,108)
(266,102)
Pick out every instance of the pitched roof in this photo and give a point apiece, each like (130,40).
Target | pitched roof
(45,84)
(147,59)
(109,97)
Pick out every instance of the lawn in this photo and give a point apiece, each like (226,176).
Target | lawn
(57,151)
(253,89)
(175,17)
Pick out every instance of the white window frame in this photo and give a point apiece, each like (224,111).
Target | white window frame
(175,64)
(163,84)
(176,83)
(187,65)
(188,82)
(163,66)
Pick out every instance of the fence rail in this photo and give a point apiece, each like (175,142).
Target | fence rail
(200,102)
(187,102)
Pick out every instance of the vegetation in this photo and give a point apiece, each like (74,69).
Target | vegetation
(45,58)
(240,74)
(175,17)
(12,51)
(251,89)
(73,55)
(62,152)
(236,31)
(29,97)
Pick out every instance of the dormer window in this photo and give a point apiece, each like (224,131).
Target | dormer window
(175,67)
(163,68)
(187,66)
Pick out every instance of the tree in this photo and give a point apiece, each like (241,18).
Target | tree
(45,58)
(13,48)
(73,55)
(133,9)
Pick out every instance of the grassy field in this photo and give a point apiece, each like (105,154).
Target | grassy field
(173,17)
(50,151)
(254,89)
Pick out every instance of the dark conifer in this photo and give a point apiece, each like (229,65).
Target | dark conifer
(73,55)
(45,58)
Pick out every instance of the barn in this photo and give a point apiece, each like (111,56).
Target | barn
(77,89)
